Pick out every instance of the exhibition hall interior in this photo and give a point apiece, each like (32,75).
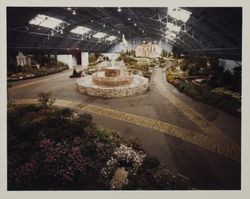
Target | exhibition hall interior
(124,98)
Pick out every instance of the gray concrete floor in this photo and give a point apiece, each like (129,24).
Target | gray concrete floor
(207,170)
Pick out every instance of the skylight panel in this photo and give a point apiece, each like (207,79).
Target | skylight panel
(169,38)
(173,27)
(179,13)
(99,35)
(111,38)
(81,30)
(45,21)
(171,34)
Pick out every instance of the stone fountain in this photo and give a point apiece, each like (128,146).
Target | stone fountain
(112,82)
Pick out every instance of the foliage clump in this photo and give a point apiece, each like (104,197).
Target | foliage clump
(45,98)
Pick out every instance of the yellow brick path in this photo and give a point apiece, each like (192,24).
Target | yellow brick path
(211,143)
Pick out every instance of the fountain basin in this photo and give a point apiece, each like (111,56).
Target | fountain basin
(88,86)
(112,72)
(101,79)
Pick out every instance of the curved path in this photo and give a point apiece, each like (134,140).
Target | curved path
(191,138)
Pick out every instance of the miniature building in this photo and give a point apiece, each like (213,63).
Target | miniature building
(23,60)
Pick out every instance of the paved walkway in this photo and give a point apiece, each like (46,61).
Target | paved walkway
(185,138)
(215,143)
(216,140)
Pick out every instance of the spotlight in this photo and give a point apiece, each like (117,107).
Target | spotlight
(74,12)
(91,20)
(119,31)
(119,9)
(69,8)
(129,19)
(135,24)
(103,25)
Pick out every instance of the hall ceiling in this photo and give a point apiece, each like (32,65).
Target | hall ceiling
(215,31)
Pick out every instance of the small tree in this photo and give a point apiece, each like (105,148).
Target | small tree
(236,79)
(216,79)
(45,99)
(164,53)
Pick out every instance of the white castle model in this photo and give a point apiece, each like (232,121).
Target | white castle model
(148,50)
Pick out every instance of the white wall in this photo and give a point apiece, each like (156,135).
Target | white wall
(85,58)
(74,61)
(230,64)
(67,59)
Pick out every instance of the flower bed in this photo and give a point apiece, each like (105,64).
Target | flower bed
(28,73)
(58,149)
(220,98)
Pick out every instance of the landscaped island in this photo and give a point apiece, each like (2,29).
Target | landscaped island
(51,148)
(208,80)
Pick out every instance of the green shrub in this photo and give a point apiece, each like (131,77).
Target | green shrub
(103,135)
(135,143)
(150,163)
(45,98)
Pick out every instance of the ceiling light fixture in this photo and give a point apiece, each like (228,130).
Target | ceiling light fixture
(135,24)
(74,12)
(129,19)
(69,8)
(119,9)
(104,25)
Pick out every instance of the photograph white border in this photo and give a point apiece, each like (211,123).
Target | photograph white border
(245,163)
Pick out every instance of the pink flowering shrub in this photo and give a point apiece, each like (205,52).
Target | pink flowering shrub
(57,149)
